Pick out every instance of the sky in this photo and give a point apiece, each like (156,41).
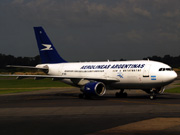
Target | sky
(92,30)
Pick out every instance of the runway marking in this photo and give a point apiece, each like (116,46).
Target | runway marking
(160,126)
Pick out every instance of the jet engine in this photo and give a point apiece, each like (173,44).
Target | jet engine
(94,88)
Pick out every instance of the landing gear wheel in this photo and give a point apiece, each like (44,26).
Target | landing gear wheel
(117,94)
(85,96)
(121,95)
(124,94)
(81,96)
(152,97)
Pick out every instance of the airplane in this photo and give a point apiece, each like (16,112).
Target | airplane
(94,78)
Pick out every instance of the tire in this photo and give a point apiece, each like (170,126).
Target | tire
(117,94)
(124,95)
(81,96)
(152,97)
(121,95)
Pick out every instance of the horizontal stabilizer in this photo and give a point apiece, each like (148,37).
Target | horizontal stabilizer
(30,67)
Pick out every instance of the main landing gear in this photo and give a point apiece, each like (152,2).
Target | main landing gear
(121,94)
(81,96)
(85,96)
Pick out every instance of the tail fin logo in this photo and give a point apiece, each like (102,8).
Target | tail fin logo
(48,47)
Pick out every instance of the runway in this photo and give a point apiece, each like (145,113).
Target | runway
(60,111)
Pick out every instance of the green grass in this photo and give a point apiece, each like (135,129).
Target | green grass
(30,83)
(173,90)
(11,85)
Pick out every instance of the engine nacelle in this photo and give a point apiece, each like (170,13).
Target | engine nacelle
(94,88)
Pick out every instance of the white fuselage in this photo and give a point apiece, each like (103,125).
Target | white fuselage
(116,75)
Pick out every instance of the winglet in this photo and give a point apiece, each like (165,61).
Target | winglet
(47,50)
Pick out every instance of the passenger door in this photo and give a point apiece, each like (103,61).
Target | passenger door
(146,71)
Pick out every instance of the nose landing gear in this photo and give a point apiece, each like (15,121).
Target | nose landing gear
(152,94)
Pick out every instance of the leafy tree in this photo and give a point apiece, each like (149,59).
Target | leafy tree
(172,61)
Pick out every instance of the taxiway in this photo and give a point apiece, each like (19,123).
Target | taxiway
(60,111)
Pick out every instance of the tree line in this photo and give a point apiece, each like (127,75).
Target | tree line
(32,61)
(167,59)
(12,60)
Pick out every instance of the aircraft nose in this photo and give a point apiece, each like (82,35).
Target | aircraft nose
(173,75)
(170,77)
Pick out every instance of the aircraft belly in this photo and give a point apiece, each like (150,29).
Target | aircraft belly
(120,85)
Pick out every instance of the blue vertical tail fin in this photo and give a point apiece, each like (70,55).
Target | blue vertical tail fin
(47,51)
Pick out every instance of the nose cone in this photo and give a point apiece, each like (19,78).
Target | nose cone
(172,76)
(169,77)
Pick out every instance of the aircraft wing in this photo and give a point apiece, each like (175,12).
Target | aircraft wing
(36,77)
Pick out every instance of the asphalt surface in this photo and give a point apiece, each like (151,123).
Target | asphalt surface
(60,111)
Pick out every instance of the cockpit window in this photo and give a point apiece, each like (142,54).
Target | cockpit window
(168,69)
(165,69)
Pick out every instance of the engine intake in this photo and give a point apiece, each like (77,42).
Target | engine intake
(94,88)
